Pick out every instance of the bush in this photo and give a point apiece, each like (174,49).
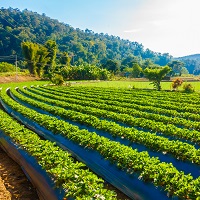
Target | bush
(188,88)
(68,84)
(177,83)
(57,79)
(7,67)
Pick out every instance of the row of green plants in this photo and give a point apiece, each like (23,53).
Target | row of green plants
(124,102)
(120,108)
(169,96)
(132,92)
(180,150)
(176,99)
(149,169)
(66,172)
(130,99)
(105,112)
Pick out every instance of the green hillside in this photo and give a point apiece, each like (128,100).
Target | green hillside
(84,45)
(192,63)
(193,56)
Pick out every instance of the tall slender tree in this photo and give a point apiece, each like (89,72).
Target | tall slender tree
(30,52)
(42,60)
(36,57)
(52,49)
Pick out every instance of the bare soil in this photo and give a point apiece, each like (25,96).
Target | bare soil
(4,193)
(13,182)
(19,78)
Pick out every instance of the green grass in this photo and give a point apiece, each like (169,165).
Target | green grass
(116,84)
(29,83)
(123,84)
(136,84)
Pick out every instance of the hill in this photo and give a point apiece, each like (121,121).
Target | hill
(84,45)
(192,63)
(191,57)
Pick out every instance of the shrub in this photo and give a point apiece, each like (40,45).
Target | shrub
(188,88)
(7,67)
(177,83)
(68,84)
(57,79)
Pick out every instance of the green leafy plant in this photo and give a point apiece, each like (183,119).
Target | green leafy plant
(128,116)
(65,171)
(148,168)
(57,79)
(188,88)
(7,67)
(156,75)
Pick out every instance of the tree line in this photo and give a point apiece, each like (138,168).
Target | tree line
(41,61)
(82,45)
(53,49)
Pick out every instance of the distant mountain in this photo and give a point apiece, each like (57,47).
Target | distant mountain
(86,46)
(192,63)
(191,57)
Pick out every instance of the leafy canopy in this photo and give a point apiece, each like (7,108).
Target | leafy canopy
(156,75)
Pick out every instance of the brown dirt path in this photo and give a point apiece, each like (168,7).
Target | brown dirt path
(13,182)
(19,78)
(4,193)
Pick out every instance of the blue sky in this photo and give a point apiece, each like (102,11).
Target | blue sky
(166,26)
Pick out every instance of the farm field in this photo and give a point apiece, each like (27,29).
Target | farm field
(105,84)
(144,142)
(137,84)
(17,84)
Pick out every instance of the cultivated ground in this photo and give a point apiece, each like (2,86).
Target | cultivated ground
(13,182)
(9,79)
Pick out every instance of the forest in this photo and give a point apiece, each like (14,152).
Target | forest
(82,46)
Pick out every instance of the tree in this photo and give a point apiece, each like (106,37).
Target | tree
(127,72)
(184,70)
(129,61)
(148,64)
(57,79)
(136,70)
(176,66)
(88,46)
(65,59)
(84,72)
(156,75)
(163,59)
(36,57)
(52,49)
(43,58)
(191,65)
(30,52)
(111,65)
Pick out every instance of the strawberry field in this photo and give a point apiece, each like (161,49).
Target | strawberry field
(143,142)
